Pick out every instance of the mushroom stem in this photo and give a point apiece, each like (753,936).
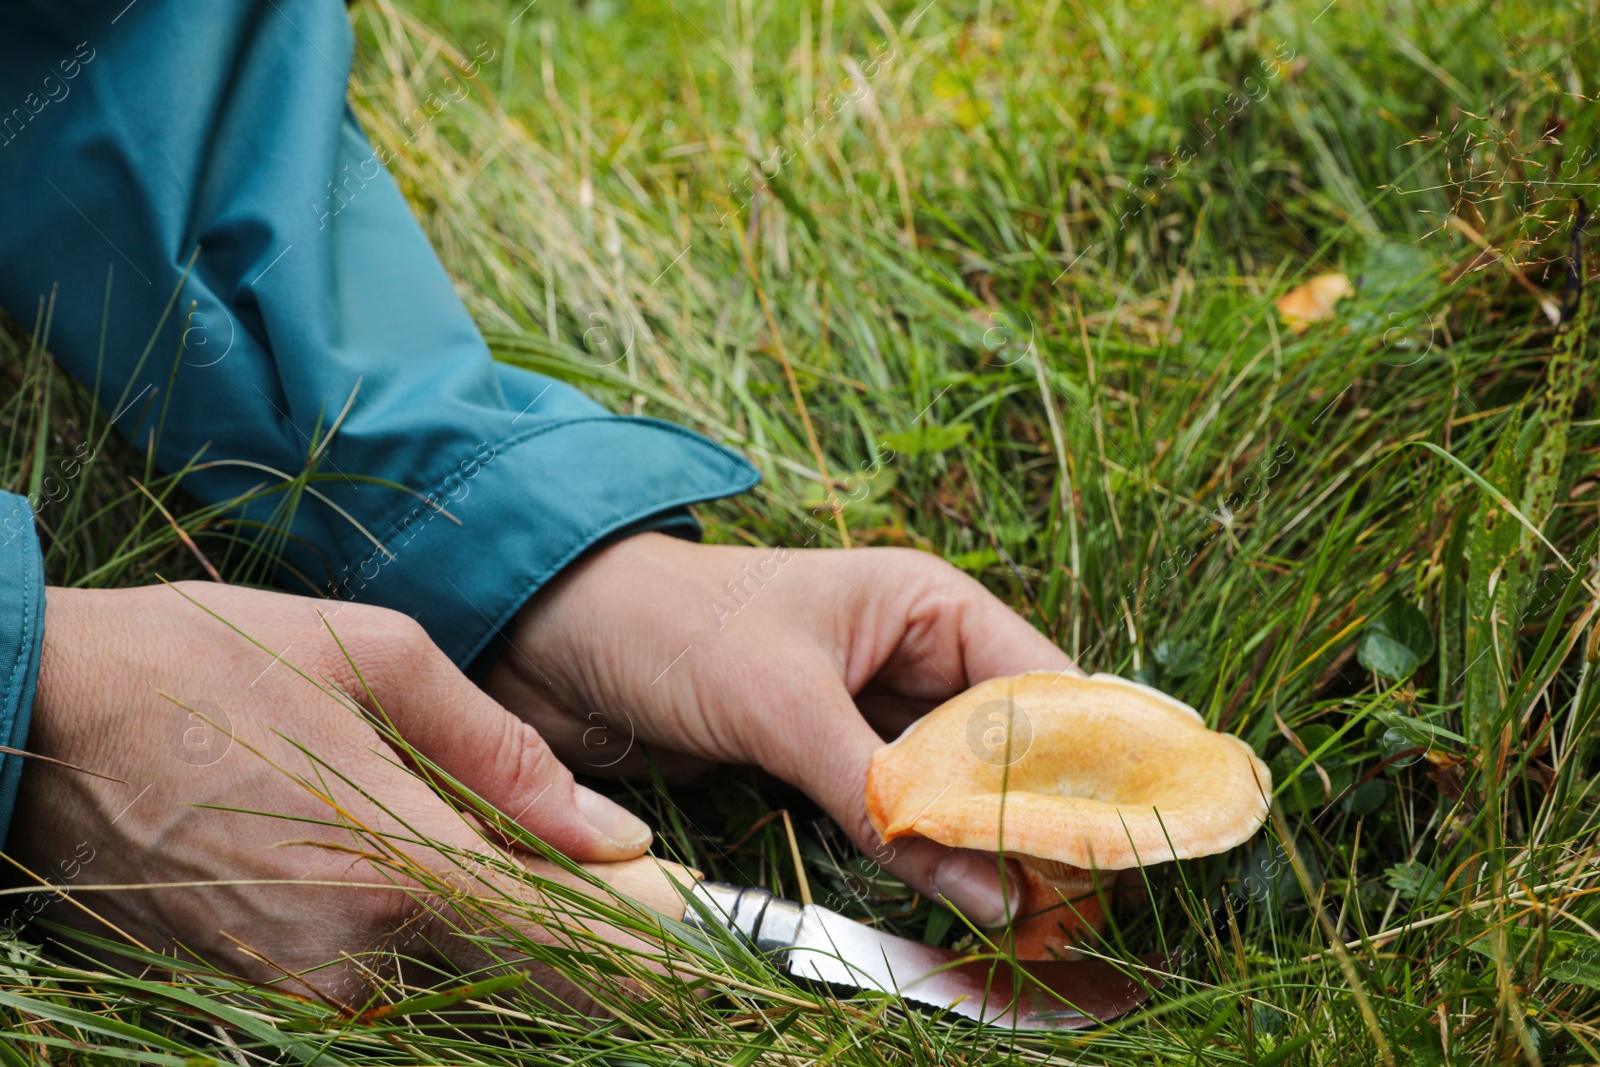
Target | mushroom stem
(1059,910)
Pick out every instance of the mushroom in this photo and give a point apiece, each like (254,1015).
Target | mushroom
(1091,774)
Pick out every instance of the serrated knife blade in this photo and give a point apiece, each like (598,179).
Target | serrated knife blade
(815,944)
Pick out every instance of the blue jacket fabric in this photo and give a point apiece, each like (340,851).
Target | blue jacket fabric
(21,636)
(238,273)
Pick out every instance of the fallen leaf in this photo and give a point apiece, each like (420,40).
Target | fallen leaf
(1313,301)
(1448,773)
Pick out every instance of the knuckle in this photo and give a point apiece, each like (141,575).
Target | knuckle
(382,645)
(396,632)
(531,765)
(933,575)
(908,559)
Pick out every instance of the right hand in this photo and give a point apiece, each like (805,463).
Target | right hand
(351,823)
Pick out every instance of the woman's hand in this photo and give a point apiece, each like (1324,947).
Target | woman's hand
(192,731)
(800,661)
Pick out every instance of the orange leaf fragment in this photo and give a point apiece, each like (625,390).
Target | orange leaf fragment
(1313,301)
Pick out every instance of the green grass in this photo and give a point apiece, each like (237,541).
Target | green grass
(1067,339)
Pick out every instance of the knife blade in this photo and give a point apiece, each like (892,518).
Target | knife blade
(820,946)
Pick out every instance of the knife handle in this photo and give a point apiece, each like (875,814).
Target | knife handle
(767,922)
(648,880)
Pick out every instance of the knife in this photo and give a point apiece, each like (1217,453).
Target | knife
(816,945)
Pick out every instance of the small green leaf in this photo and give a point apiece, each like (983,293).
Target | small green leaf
(1269,878)
(1397,642)
(1384,655)
(973,562)
(926,440)
(1567,957)
(1415,881)
(1268,1020)
(1178,659)
(1393,272)
(1416,731)
(1282,1053)
(1366,798)
(1314,736)
(1305,792)
(1393,743)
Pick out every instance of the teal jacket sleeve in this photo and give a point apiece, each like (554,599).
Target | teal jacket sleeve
(203,156)
(21,635)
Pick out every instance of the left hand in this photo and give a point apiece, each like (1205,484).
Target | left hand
(800,661)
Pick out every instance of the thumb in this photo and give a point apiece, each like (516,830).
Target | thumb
(499,757)
(996,641)
(834,773)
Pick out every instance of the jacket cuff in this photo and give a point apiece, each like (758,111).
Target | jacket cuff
(675,522)
(526,507)
(21,636)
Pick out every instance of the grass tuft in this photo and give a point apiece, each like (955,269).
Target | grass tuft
(1007,295)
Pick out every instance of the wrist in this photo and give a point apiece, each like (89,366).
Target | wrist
(62,645)
(580,626)
(675,524)
(613,572)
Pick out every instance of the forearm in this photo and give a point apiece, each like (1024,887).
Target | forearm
(275,310)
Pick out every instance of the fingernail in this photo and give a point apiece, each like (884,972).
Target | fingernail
(626,830)
(970,882)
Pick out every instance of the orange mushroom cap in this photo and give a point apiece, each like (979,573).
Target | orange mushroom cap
(1098,773)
